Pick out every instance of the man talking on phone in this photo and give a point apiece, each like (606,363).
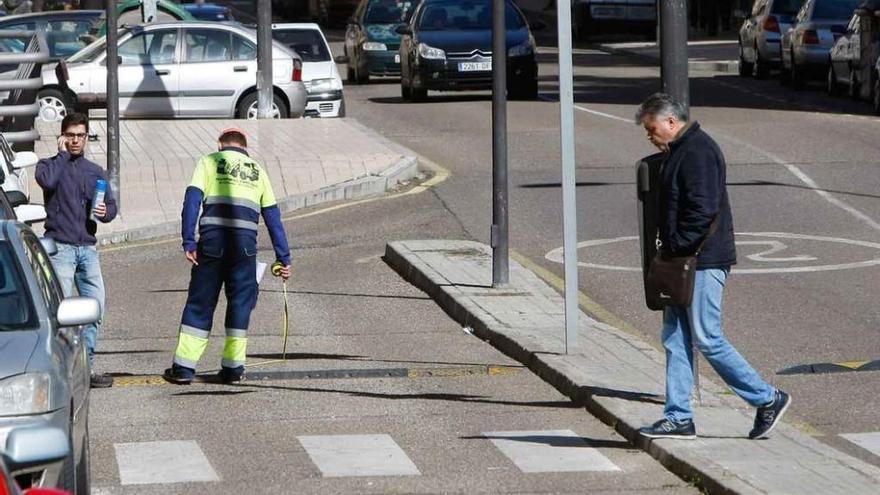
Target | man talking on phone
(69,181)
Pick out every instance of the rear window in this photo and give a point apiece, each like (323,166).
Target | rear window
(307,43)
(387,12)
(835,9)
(786,7)
(464,15)
(16,307)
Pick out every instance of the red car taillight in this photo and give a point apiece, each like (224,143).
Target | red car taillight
(810,37)
(771,23)
(297,71)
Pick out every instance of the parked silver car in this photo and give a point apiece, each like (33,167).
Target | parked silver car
(320,75)
(44,370)
(844,58)
(177,69)
(760,35)
(13,171)
(806,44)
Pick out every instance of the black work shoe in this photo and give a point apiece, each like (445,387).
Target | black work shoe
(666,428)
(231,375)
(768,416)
(101,380)
(178,376)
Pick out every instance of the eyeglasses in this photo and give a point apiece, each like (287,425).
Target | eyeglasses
(75,135)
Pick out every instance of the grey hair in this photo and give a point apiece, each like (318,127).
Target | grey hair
(661,105)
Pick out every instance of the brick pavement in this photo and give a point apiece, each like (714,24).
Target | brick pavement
(309,160)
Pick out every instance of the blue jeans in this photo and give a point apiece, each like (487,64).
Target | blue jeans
(79,266)
(702,321)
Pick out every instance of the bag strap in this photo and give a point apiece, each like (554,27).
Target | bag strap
(713,227)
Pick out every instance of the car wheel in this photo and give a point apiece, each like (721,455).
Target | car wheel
(832,86)
(68,469)
(527,90)
(784,75)
(405,90)
(247,108)
(363,77)
(875,95)
(53,105)
(418,94)
(762,68)
(745,68)
(341,112)
(797,81)
(854,88)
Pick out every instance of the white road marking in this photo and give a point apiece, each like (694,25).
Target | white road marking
(868,441)
(591,111)
(556,255)
(797,172)
(146,463)
(358,455)
(551,451)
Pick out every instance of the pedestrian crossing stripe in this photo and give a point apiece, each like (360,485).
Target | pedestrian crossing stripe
(358,455)
(549,451)
(145,463)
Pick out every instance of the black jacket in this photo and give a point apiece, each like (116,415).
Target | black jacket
(692,192)
(68,184)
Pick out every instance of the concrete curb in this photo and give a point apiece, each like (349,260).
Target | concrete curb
(624,408)
(726,66)
(404,170)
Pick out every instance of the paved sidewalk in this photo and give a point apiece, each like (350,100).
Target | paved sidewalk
(620,378)
(310,161)
(703,56)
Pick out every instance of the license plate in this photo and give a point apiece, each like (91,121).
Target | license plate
(397,58)
(474,66)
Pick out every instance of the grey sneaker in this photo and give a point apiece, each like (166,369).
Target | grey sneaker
(666,428)
(768,416)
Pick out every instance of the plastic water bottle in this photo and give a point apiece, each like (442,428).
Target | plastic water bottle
(100,192)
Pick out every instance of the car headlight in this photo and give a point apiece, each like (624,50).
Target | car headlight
(24,394)
(323,85)
(430,52)
(522,49)
(372,46)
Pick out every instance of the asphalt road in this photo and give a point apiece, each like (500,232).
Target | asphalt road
(455,415)
(802,175)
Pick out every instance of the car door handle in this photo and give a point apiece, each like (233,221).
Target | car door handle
(240,68)
(162,72)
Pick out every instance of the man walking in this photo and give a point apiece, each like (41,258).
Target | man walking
(232,191)
(693,194)
(68,180)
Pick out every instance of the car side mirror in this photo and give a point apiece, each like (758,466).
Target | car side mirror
(31,214)
(538,25)
(76,311)
(25,159)
(16,198)
(403,30)
(33,448)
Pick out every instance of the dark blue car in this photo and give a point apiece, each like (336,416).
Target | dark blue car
(447,46)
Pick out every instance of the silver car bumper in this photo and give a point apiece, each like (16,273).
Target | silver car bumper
(812,56)
(297,96)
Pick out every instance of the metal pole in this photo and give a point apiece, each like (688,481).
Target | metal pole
(264,59)
(113,103)
(674,50)
(499,234)
(569,210)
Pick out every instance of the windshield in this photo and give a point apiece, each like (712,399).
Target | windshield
(835,9)
(16,308)
(387,12)
(786,7)
(308,43)
(465,15)
(91,52)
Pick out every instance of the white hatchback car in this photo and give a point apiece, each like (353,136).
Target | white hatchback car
(320,74)
(177,69)
(13,173)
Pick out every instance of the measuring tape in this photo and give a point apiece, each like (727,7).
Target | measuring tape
(285,322)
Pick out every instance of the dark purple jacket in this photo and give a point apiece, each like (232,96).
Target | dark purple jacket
(68,184)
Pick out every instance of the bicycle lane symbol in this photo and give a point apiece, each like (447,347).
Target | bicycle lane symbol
(774,252)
